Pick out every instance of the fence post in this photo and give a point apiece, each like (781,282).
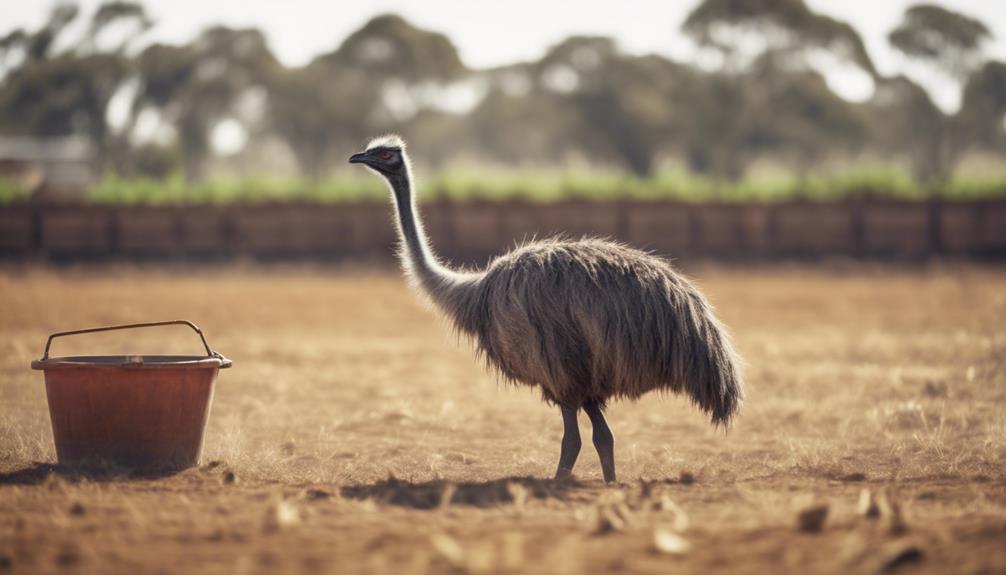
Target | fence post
(695,229)
(772,229)
(857,226)
(179,234)
(622,219)
(36,248)
(978,223)
(114,230)
(450,217)
(935,235)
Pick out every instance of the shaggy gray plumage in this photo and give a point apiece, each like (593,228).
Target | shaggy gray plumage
(585,320)
(590,320)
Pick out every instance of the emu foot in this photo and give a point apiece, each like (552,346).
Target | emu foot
(563,474)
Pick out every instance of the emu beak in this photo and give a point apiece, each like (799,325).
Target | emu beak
(358,158)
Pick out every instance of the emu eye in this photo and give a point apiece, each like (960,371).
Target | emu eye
(385,155)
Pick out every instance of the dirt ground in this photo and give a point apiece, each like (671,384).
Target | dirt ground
(354,434)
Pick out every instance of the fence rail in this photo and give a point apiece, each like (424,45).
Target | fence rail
(472,232)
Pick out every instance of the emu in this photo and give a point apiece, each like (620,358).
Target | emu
(586,320)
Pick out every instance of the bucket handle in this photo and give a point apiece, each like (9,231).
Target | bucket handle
(209,352)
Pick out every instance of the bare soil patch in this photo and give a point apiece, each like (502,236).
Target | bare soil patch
(354,434)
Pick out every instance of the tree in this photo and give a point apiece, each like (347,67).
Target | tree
(377,80)
(52,94)
(196,86)
(948,40)
(907,123)
(115,12)
(629,115)
(39,43)
(982,119)
(951,43)
(389,47)
(778,25)
(516,99)
(623,103)
(767,96)
(771,110)
(717,138)
(796,116)
(315,109)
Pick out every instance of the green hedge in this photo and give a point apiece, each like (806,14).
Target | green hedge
(459,184)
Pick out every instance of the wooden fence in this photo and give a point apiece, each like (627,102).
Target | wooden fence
(472,232)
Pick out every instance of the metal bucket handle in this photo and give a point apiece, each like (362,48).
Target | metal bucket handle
(209,352)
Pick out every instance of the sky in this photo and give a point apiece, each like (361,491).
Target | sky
(494,33)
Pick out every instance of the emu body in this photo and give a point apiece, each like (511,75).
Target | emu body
(586,321)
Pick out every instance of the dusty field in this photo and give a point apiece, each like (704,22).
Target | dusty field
(354,435)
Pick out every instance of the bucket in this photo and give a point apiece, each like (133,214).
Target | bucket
(145,412)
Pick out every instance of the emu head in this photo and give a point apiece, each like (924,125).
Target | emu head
(385,156)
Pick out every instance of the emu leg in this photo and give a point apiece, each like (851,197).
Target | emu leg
(604,441)
(570,444)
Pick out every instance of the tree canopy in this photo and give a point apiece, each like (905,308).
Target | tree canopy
(584,100)
(948,39)
(780,24)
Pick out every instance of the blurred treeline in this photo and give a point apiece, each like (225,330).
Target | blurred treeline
(151,110)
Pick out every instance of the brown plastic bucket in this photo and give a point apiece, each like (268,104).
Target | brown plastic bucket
(144,412)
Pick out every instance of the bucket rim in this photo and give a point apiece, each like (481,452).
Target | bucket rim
(145,361)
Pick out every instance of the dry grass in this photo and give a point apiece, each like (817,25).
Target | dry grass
(354,435)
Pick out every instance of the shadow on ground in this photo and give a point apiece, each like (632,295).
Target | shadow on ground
(433,494)
(38,473)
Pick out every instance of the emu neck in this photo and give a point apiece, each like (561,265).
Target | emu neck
(417,257)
